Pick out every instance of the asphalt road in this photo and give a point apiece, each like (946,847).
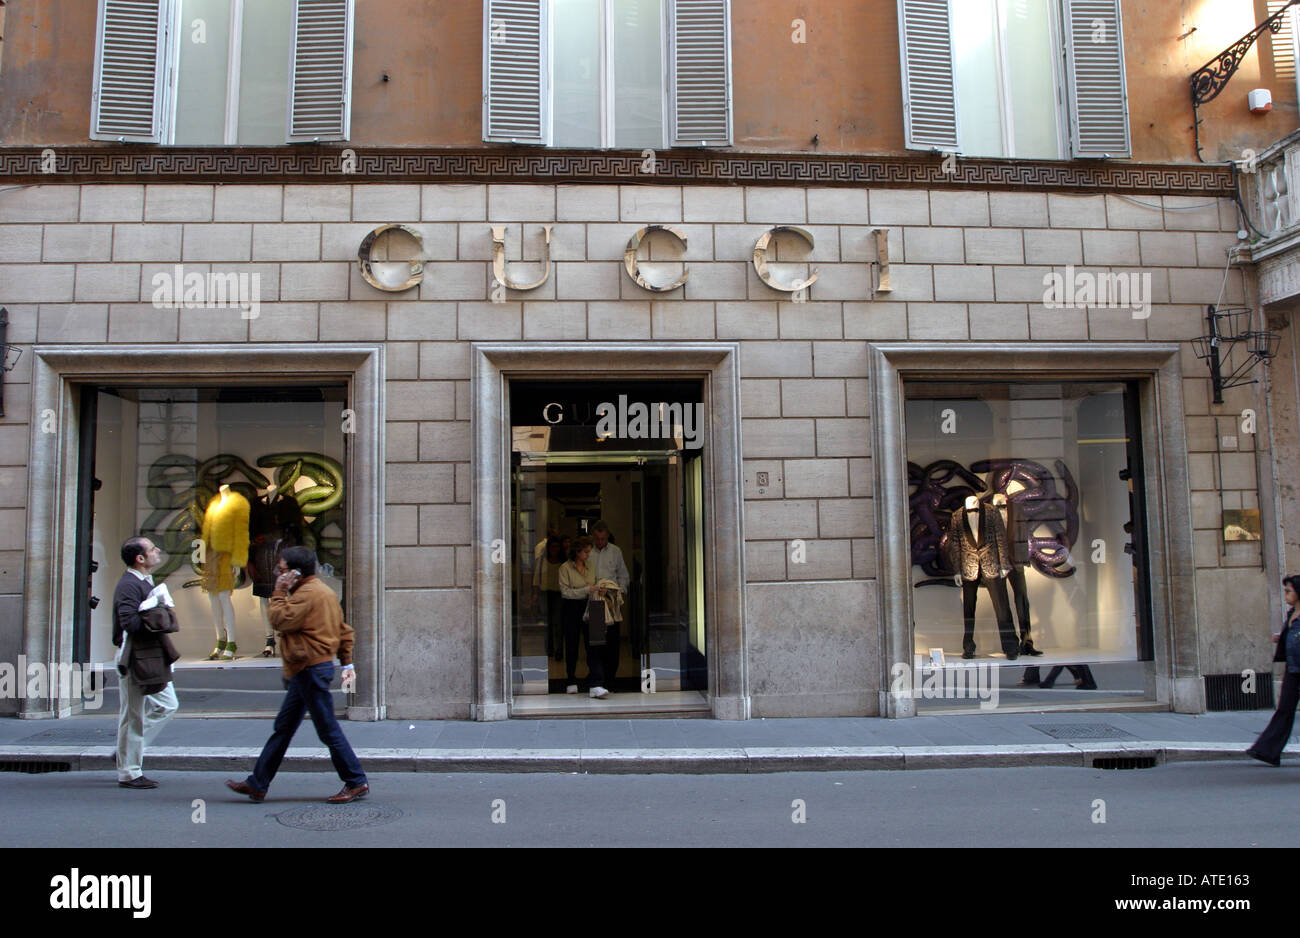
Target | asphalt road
(1219,804)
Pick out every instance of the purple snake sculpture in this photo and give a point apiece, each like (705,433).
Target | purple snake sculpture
(1044,508)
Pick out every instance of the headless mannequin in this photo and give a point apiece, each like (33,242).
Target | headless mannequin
(1018,543)
(223,610)
(974,538)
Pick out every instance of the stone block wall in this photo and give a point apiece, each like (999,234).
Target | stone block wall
(77,266)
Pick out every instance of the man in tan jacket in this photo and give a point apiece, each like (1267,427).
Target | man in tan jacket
(309,619)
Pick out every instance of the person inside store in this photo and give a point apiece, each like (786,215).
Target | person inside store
(546,587)
(577,580)
(607,559)
(1268,748)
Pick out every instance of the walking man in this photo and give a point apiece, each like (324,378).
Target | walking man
(309,619)
(143,709)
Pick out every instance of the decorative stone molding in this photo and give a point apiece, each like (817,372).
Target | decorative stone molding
(326,164)
(1158,370)
(52,482)
(717,364)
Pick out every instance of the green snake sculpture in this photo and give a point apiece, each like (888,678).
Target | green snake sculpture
(179,488)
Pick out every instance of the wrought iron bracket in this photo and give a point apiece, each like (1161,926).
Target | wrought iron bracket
(1261,347)
(1212,77)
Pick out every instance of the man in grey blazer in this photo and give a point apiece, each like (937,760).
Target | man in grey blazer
(144,710)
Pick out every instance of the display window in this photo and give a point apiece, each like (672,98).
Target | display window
(220,479)
(1027,537)
(611,471)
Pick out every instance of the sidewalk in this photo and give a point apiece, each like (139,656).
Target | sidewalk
(86,743)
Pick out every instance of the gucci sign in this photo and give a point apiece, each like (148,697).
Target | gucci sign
(405,270)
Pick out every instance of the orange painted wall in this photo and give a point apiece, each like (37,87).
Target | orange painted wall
(843,85)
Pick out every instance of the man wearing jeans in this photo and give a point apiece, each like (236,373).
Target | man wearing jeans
(309,619)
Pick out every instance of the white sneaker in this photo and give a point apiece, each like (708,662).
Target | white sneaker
(571,689)
(599,692)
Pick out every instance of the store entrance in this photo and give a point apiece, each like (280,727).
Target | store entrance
(650,501)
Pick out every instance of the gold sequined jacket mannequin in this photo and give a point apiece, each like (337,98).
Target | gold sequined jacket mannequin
(990,557)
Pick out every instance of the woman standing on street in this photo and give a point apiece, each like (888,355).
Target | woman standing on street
(1268,748)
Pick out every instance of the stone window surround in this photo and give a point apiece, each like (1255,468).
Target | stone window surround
(1158,370)
(52,489)
(493,365)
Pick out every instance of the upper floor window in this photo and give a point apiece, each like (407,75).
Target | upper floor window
(607,73)
(1032,79)
(214,72)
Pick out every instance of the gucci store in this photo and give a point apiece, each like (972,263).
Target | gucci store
(815,471)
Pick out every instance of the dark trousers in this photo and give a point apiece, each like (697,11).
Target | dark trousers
(574,633)
(1019,590)
(309,690)
(1273,740)
(997,590)
(553,609)
(602,660)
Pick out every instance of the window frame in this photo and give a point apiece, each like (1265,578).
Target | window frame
(1063,87)
(608,90)
(171,28)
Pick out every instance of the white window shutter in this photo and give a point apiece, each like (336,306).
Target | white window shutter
(515,86)
(130,70)
(320,71)
(1094,47)
(699,66)
(1283,42)
(929,88)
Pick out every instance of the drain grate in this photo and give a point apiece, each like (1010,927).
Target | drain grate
(1124,762)
(35,768)
(1082,731)
(329,817)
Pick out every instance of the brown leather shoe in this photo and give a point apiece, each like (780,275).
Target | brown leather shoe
(138,782)
(245,789)
(348,794)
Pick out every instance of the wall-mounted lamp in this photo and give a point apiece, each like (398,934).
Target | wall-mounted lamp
(1228,329)
(9,355)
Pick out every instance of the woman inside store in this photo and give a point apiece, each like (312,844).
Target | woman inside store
(546,587)
(578,585)
(1268,748)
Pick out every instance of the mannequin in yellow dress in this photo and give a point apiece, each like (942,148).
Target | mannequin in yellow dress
(225,541)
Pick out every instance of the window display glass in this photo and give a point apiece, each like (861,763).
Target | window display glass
(1027,542)
(220,479)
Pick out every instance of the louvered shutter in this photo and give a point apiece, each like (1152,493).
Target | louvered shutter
(1094,64)
(515,44)
(929,89)
(130,70)
(699,57)
(1283,42)
(320,71)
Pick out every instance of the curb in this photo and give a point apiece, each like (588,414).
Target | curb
(746,761)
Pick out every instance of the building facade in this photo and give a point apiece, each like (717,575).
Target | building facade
(882,375)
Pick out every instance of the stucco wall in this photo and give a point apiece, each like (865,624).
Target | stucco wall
(843,84)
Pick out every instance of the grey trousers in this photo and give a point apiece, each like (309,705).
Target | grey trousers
(140,718)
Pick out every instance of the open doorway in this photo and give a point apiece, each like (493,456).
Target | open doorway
(580,464)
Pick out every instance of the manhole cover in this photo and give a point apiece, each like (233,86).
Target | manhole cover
(1082,731)
(338,817)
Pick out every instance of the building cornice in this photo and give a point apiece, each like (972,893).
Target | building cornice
(326,164)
